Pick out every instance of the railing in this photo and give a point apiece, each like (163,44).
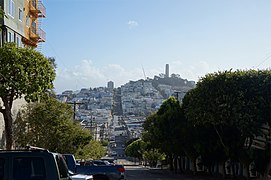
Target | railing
(42,9)
(38,9)
(42,35)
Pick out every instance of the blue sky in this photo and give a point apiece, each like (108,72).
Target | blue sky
(96,41)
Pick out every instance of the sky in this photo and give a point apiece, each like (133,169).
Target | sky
(96,41)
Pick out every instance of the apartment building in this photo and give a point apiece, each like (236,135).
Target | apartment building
(22,23)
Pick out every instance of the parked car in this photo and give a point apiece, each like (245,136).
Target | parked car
(99,172)
(35,164)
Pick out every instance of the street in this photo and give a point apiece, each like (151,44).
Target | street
(140,172)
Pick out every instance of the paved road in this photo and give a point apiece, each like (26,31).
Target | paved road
(139,172)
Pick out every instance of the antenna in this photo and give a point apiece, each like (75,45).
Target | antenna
(143,72)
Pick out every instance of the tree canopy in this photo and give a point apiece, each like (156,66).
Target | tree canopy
(235,104)
(49,124)
(136,149)
(163,129)
(1,12)
(93,150)
(24,73)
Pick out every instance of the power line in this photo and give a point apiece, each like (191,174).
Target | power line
(78,80)
(263,61)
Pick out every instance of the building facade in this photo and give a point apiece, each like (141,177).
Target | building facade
(22,23)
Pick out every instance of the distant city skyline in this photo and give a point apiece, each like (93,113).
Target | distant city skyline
(97,41)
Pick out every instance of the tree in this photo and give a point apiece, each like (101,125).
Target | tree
(234,104)
(163,130)
(93,150)
(24,73)
(153,156)
(201,141)
(136,149)
(2,13)
(49,124)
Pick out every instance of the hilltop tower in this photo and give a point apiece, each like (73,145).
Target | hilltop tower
(167,70)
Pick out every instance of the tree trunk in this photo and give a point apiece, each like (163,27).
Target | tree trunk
(8,128)
(6,111)
(170,162)
(247,173)
(194,165)
(180,164)
(175,164)
(267,170)
(224,170)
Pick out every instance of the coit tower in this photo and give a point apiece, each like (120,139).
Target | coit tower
(167,70)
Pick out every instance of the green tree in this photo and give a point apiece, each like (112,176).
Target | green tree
(153,156)
(93,150)
(151,134)
(49,124)
(24,73)
(136,149)
(164,129)
(2,13)
(234,104)
(201,141)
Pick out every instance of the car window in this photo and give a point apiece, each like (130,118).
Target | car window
(2,168)
(28,168)
(63,169)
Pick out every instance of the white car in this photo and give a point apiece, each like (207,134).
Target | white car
(80,176)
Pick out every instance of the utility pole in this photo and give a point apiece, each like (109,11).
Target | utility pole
(74,107)
(177,94)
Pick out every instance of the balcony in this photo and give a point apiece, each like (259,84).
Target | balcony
(42,35)
(37,9)
(33,34)
(37,35)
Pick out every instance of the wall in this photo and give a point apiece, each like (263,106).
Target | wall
(17,104)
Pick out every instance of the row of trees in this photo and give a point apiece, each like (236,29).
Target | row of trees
(217,121)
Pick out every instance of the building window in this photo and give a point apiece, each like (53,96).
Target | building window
(27,20)
(34,3)
(34,27)
(11,8)
(18,41)
(20,14)
(9,37)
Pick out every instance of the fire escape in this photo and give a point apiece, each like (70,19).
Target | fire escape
(36,34)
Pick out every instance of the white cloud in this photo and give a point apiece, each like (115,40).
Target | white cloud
(86,74)
(190,71)
(132,24)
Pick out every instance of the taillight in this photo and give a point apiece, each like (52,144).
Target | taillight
(121,169)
